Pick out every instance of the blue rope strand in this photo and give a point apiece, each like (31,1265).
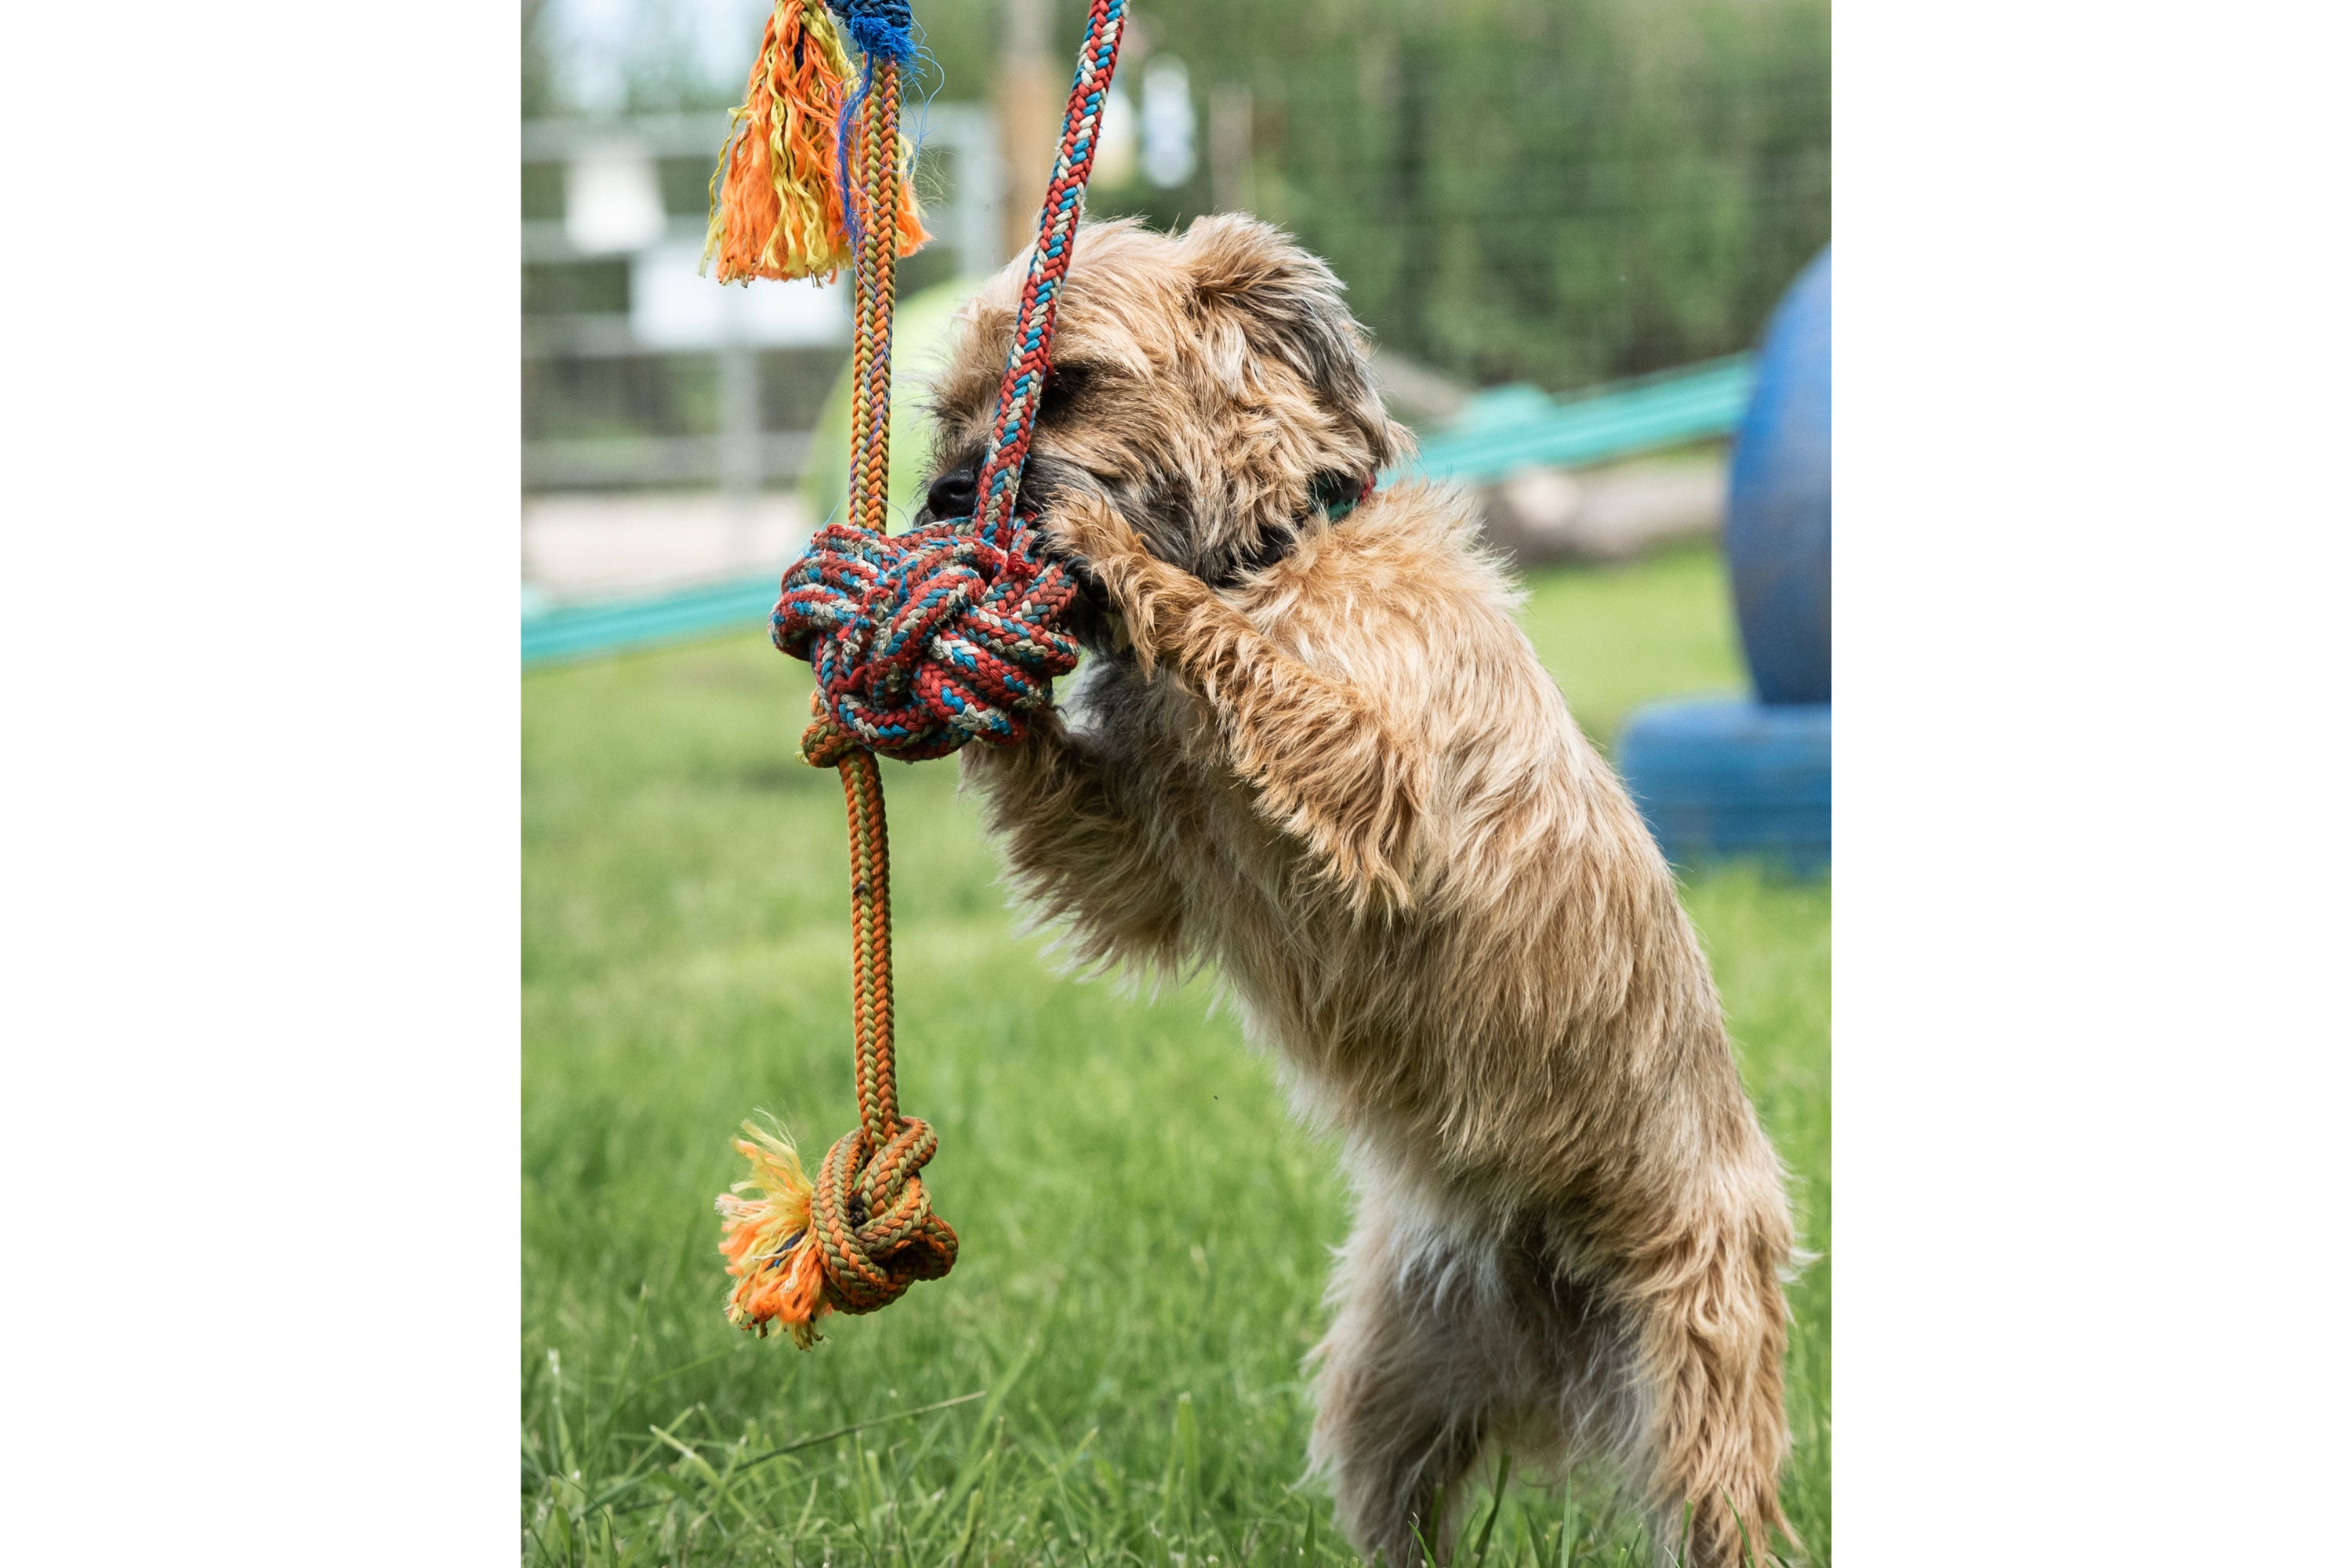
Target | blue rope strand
(877,28)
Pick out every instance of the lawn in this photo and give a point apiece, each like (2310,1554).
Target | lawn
(1145,1231)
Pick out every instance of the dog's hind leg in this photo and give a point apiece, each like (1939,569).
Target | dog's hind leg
(1709,1336)
(1419,1370)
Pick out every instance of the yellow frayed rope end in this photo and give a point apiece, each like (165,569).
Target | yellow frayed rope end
(779,1278)
(777,206)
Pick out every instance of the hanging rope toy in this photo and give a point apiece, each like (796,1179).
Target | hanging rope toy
(920,643)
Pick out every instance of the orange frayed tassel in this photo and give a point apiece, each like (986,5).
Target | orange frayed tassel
(779,1278)
(776,198)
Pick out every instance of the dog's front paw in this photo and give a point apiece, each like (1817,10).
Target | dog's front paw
(1153,598)
(1090,531)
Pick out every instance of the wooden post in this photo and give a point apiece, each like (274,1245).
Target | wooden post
(1028,116)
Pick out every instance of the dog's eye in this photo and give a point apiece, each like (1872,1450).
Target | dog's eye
(1064,384)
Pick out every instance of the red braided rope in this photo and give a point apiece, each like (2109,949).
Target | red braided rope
(1023,384)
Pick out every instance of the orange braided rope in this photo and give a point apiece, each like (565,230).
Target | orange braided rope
(876,276)
(854,1240)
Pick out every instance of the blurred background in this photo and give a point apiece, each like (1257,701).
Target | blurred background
(1528,199)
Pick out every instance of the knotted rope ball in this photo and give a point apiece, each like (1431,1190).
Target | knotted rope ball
(924,640)
(851,1241)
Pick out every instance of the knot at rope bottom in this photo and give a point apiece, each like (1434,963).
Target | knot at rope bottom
(872,1220)
(924,640)
(864,1231)
(850,1243)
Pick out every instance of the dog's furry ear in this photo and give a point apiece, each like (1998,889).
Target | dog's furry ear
(1289,304)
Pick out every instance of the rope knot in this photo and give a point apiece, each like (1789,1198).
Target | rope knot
(924,640)
(850,1242)
(872,1222)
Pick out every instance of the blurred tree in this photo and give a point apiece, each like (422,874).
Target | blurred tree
(1560,191)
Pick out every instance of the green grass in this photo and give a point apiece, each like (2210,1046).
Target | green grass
(1145,1232)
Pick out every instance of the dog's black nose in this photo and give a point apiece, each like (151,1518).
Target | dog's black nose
(953,492)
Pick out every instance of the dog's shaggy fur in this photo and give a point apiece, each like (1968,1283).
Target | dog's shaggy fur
(1321,757)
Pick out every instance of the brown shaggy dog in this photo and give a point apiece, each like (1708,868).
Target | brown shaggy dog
(1315,752)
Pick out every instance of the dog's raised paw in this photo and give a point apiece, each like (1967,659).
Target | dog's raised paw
(1092,530)
(1152,598)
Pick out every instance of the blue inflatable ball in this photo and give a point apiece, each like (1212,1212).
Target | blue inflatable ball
(1776,531)
(1722,777)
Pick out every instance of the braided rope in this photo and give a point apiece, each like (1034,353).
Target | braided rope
(873,275)
(919,644)
(947,634)
(1017,395)
(868,1211)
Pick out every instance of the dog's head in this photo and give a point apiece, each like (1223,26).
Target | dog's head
(1212,385)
